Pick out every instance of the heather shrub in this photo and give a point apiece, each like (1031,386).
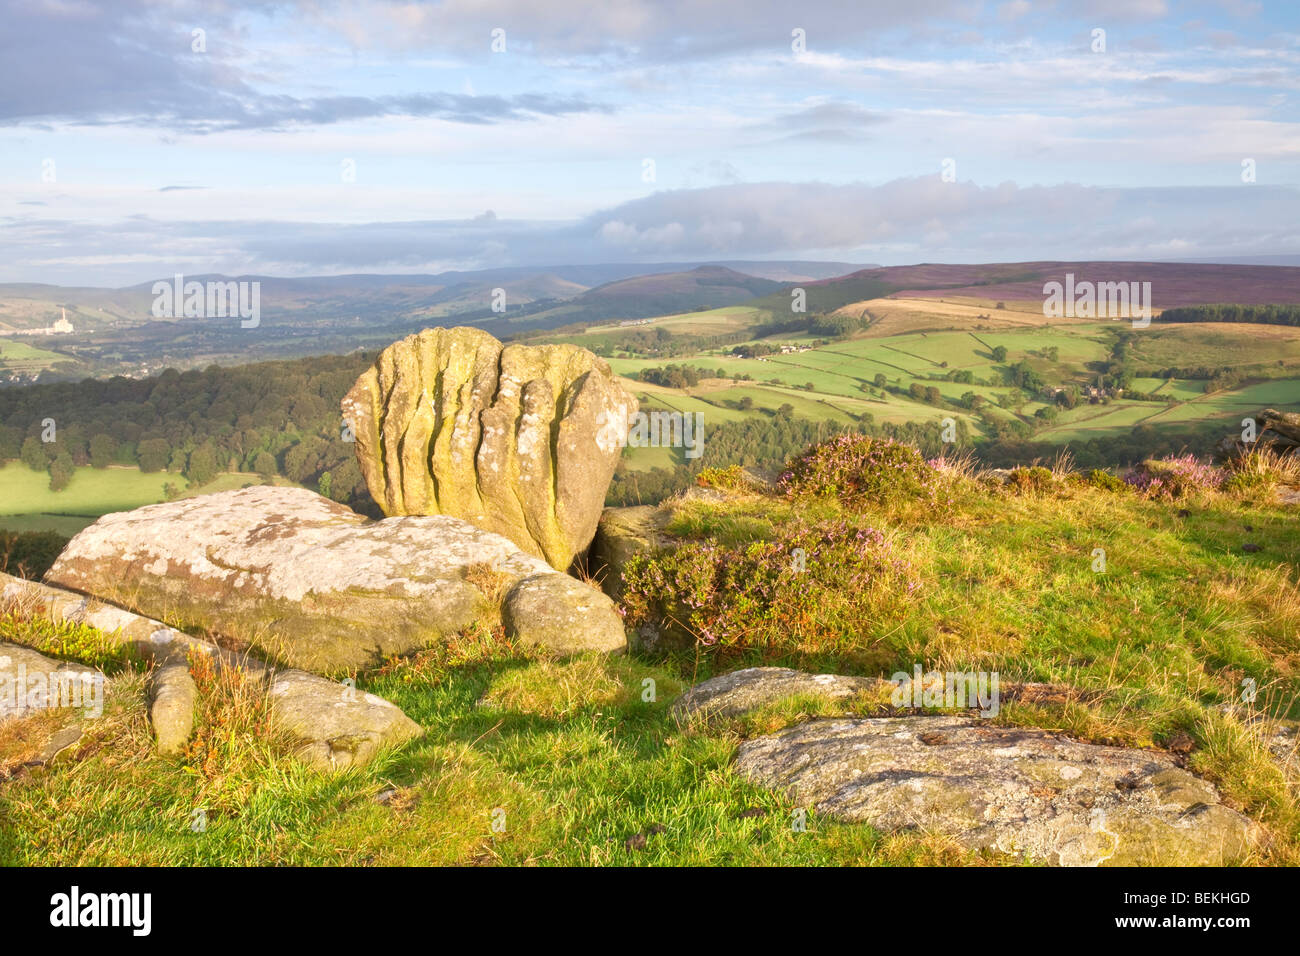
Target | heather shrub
(809,590)
(861,470)
(1175,476)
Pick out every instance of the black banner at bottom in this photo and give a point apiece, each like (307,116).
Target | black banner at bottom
(296,906)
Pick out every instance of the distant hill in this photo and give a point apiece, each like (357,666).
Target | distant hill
(387,299)
(706,287)
(1172,283)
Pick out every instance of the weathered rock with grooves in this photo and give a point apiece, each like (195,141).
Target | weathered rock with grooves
(1008,790)
(302,579)
(518,440)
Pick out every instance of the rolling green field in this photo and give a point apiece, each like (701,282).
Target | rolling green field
(843,374)
(28,504)
(24,358)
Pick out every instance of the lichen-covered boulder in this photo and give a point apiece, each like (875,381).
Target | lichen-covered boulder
(337,725)
(302,580)
(1011,790)
(559,612)
(518,440)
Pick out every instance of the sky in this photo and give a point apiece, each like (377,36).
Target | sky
(142,138)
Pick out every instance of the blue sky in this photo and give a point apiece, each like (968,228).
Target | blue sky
(126,155)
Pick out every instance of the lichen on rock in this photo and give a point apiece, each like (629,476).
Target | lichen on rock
(1007,790)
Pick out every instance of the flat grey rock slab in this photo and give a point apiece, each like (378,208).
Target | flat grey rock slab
(304,580)
(1022,792)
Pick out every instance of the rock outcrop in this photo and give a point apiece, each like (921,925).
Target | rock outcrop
(518,440)
(1279,430)
(1022,792)
(308,583)
(336,725)
(621,535)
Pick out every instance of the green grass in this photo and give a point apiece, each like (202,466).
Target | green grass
(590,769)
(574,766)
(21,357)
(1211,344)
(92,491)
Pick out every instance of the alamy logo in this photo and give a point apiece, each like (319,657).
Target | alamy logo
(950,690)
(74,909)
(208,300)
(1102,300)
(653,430)
(21,692)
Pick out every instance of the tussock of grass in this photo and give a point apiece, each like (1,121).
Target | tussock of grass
(559,689)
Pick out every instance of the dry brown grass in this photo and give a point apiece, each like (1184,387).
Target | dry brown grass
(490,582)
(1265,467)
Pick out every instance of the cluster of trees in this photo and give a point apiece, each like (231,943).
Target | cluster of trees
(657,341)
(1119,371)
(836,326)
(752,350)
(1224,379)
(1022,376)
(925,393)
(678,376)
(273,418)
(1262,314)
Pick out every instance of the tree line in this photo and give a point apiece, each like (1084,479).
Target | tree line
(272,418)
(1273,314)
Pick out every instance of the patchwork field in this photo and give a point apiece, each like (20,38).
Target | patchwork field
(913,342)
(19,357)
